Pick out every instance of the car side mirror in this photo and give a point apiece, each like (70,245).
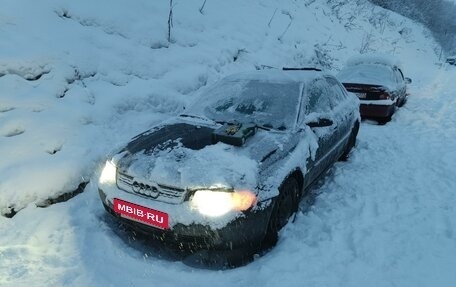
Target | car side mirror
(320,122)
(408,80)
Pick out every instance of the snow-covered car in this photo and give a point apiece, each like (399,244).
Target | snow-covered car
(378,82)
(451,60)
(229,173)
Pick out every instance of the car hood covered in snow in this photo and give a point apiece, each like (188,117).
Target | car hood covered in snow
(183,155)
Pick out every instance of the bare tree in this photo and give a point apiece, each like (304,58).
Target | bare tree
(365,43)
(202,7)
(272,17)
(170,20)
(284,12)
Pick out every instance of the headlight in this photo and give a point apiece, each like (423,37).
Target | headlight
(217,203)
(108,175)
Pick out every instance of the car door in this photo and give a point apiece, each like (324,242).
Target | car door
(318,105)
(342,116)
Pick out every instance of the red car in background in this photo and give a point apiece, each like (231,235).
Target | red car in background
(379,84)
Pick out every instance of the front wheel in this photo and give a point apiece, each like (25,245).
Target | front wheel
(402,102)
(285,204)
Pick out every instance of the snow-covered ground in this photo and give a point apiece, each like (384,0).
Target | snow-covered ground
(384,218)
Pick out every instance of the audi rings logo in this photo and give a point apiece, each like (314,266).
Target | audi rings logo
(145,189)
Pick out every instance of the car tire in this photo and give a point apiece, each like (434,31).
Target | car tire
(285,205)
(383,121)
(351,143)
(402,102)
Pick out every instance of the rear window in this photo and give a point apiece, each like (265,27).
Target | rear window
(368,74)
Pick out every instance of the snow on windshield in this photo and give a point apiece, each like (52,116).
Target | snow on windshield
(268,104)
(372,74)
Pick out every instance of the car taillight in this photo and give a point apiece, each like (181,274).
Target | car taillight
(384,96)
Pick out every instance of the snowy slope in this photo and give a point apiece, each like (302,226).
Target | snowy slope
(107,74)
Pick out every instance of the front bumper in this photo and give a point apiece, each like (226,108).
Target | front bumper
(243,232)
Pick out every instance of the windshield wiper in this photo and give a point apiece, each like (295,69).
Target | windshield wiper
(196,117)
(269,127)
(266,127)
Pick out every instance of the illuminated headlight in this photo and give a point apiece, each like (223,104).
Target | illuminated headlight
(108,175)
(217,203)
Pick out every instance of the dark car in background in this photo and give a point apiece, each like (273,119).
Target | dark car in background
(451,60)
(379,84)
(227,175)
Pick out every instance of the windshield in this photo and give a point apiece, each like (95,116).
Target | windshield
(267,104)
(368,74)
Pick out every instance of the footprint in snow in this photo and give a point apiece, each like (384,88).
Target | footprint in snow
(54,150)
(6,109)
(14,132)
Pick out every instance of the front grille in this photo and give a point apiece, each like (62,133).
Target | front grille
(156,191)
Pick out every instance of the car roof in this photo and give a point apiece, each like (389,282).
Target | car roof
(374,59)
(278,76)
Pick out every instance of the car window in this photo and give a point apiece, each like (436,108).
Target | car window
(318,94)
(341,90)
(372,74)
(398,75)
(338,94)
(264,103)
(401,74)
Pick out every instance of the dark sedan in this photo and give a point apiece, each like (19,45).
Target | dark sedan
(228,174)
(379,84)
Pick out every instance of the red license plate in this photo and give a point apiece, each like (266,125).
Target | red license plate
(142,214)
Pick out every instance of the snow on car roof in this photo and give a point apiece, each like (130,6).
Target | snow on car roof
(276,75)
(379,59)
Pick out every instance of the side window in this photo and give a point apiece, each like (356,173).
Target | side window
(318,94)
(342,91)
(399,76)
(339,93)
